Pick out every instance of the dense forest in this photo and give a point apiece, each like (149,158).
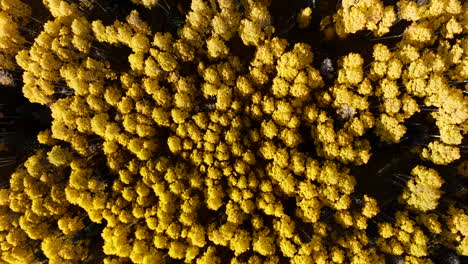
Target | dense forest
(233,131)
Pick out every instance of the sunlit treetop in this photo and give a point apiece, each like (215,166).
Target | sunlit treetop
(423,189)
(222,142)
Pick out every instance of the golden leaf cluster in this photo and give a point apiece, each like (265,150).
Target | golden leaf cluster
(223,143)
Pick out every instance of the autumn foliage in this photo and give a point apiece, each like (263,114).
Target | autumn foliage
(225,143)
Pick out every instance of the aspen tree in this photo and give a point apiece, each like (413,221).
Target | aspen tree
(440,153)
(9,30)
(209,257)
(82,34)
(422,191)
(59,156)
(14,14)
(263,243)
(216,47)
